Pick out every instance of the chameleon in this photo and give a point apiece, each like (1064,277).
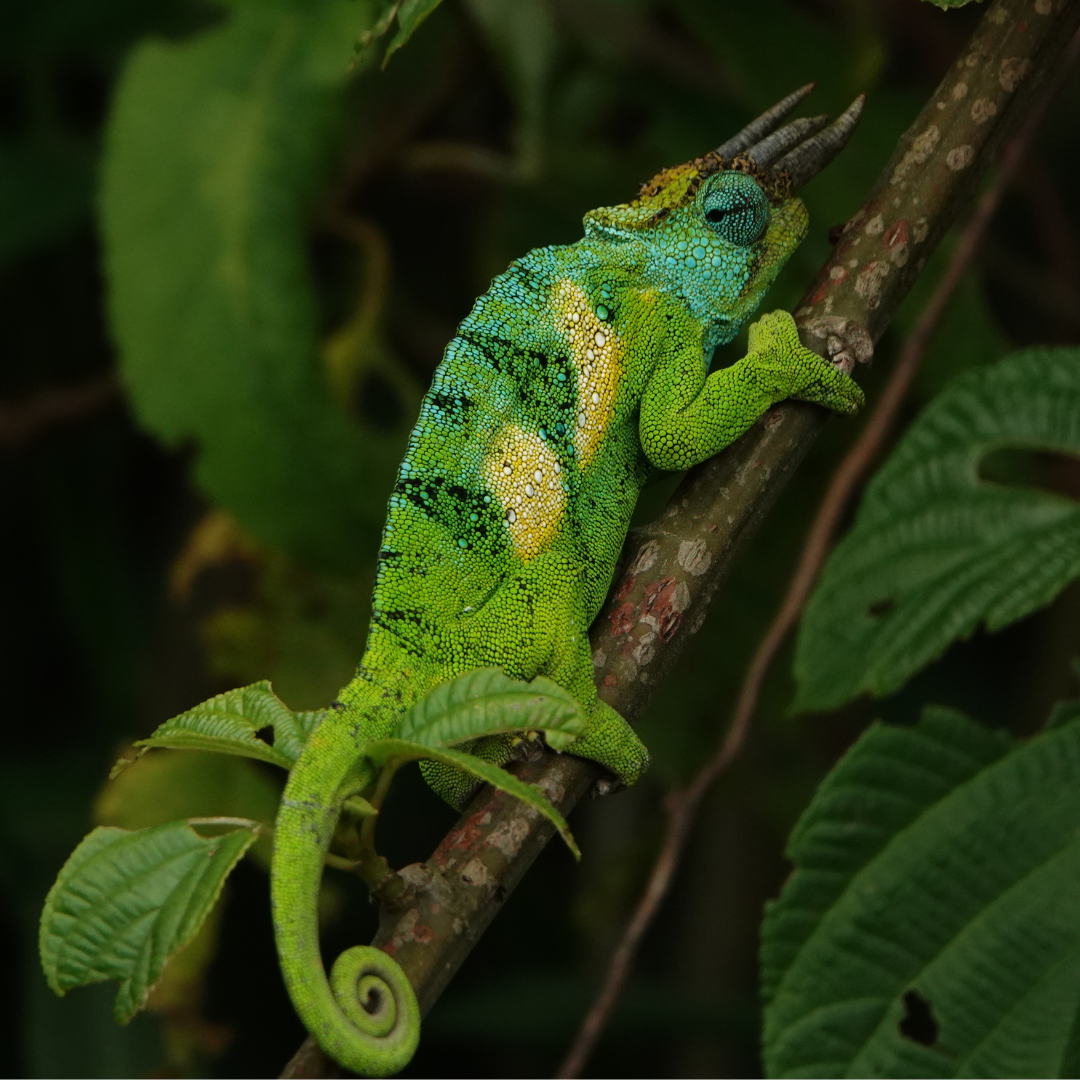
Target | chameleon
(580,373)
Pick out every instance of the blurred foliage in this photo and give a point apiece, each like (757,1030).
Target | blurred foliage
(216,148)
(290,235)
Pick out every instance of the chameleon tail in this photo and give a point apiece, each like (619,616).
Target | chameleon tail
(366,1015)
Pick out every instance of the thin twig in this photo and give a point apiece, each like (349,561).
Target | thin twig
(22,422)
(681,806)
(261,828)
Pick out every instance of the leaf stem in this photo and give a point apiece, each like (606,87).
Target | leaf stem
(22,422)
(259,827)
(382,880)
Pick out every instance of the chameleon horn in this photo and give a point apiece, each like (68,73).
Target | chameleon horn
(810,157)
(776,145)
(764,125)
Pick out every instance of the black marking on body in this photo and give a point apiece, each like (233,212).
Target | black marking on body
(497,351)
(415,490)
(407,626)
(453,507)
(455,408)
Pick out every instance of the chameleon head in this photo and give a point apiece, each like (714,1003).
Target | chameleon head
(717,230)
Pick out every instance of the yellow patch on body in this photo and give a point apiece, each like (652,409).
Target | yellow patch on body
(524,474)
(597,354)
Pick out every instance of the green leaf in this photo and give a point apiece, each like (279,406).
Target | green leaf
(229,724)
(935,551)
(937,878)
(487,702)
(216,151)
(126,901)
(409,17)
(383,750)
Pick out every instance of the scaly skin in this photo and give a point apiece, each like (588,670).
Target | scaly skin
(580,372)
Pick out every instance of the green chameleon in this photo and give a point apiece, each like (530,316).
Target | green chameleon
(579,373)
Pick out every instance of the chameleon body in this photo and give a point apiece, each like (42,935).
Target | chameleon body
(579,373)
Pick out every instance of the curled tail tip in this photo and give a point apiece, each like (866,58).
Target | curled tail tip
(365,1015)
(376,998)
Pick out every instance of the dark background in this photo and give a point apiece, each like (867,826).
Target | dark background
(123,602)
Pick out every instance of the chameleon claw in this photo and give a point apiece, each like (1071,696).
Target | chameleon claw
(529,746)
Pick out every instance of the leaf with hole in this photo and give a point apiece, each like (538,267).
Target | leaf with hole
(251,721)
(487,702)
(936,551)
(932,924)
(384,750)
(126,901)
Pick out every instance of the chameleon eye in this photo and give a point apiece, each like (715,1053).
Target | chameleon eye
(737,209)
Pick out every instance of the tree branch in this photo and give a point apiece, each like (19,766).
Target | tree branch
(674,566)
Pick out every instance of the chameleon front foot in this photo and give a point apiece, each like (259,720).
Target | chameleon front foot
(786,368)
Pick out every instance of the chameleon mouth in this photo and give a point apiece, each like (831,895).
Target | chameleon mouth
(795,152)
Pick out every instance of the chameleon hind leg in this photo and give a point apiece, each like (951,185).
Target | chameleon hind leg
(534,625)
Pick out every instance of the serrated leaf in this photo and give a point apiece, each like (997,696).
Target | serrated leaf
(228,724)
(488,702)
(216,151)
(935,551)
(936,869)
(889,777)
(383,750)
(126,901)
(409,17)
